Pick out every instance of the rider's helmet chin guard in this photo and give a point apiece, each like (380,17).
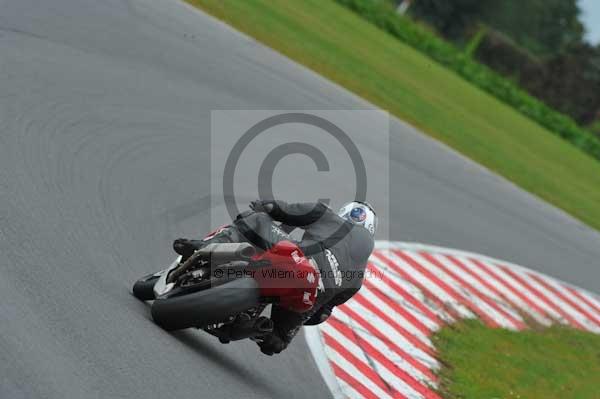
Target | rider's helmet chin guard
(360,213)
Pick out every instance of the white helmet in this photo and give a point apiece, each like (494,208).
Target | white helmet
(360,213)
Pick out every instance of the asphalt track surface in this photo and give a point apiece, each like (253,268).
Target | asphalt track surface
(104,109)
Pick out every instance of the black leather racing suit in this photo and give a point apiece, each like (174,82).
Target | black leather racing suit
(340,249)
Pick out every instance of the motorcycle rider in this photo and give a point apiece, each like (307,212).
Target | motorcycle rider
(338,243)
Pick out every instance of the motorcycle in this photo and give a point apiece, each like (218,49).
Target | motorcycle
(223,288)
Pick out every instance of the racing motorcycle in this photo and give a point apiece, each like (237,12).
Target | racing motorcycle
(224,287)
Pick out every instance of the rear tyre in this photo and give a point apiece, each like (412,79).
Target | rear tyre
(143,289)
(203,308)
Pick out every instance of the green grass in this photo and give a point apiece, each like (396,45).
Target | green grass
(338,44)
(481,362)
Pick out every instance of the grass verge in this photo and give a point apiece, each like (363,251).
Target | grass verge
(480,362)
(383,15)
(341,46)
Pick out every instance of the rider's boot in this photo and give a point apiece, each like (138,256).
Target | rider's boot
(186,248)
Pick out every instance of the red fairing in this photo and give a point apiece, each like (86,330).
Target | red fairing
(292,278)
(215,232)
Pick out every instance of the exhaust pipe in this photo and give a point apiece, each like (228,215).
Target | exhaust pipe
(215,254)
(218,253)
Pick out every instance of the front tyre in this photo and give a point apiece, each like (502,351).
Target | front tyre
(210,306)
(143,289)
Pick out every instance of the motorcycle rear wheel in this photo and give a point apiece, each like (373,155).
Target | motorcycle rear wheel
(204,308)
(143,289)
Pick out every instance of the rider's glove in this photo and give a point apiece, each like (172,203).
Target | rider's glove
(320,316)
(262,206)
(272,344)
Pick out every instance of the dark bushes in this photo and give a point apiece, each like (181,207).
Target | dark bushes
(384,16)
